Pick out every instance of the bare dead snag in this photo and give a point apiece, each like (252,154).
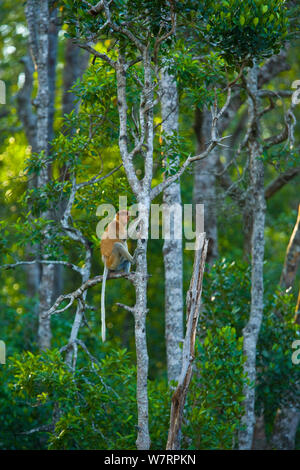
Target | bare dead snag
(297,311)
(292,256)
(288,417)
(193,301)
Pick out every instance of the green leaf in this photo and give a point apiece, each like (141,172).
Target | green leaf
(255,21)
(264,8)
(242,20)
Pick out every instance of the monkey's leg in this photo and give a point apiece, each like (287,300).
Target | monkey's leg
(120,258)
(124,266)
(121,251)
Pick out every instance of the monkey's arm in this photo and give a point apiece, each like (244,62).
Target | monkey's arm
(137,252)
(134,229)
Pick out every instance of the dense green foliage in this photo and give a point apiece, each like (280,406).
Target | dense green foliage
(96,404)
(216,394)
(244,30)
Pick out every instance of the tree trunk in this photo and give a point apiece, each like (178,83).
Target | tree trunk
(52,59)
(37,14)
(285,428)
(258,205)
(204,191)
(259,434)
(29,121)
(172,249)
(142,190)
(140,311)
(76,61)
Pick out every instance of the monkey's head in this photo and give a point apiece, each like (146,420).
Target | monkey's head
(123,216)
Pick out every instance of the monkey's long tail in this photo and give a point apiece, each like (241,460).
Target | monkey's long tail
(103,328)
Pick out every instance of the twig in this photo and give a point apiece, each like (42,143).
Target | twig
(126,307)
(42,261)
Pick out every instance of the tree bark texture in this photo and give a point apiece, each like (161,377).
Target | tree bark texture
(29,121)
(76,61)
(258,206)
(142,190)
(204,191)
(37,15)
(172,248)
(285,428)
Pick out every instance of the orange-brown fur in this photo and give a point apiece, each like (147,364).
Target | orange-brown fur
(115,255)
(114,232)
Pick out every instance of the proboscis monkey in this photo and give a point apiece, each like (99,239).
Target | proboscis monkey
(115,254)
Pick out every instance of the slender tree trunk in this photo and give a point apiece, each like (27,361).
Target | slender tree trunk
(37,14)
(29,121)
(172,248)
(142,190)
(25,111)
(204,191)
(52,59)
(258,206)
(76,61)
(140,311)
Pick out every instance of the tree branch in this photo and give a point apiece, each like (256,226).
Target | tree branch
(77,294)
(100,55)
(280,181)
